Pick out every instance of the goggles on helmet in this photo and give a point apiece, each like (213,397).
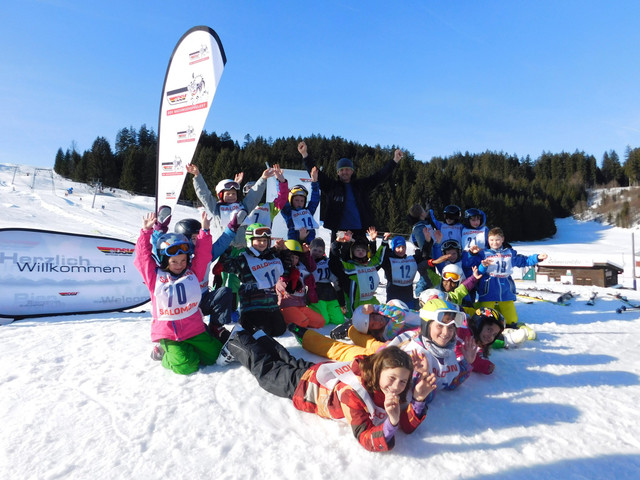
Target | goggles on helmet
(231,186)
(177,249)
(260,232)
(453,276)
(447,318)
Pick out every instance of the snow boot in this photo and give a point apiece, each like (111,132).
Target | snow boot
(225,357)
(341,331)
(514,337)
(297,331)
(157,353)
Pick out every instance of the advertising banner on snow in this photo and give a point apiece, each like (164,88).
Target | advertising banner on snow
(190,84)
(53,273)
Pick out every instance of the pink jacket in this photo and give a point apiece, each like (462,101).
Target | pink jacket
(481,363)
(177,330)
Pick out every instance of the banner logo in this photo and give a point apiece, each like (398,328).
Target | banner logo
(116,251)
(200,55)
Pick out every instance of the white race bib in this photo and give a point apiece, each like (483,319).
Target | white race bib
(226,211)
(265,271)
(329,374)
(368,281)
(500,265)
(403,271)
(176,298)
(303,219)
(322,273)
(260,214)
(471,238)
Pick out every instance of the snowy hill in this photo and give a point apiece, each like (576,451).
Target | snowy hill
(80,398)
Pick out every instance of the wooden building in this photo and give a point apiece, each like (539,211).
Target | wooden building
(601,274)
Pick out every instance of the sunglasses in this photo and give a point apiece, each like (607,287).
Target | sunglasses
(177,249)
(453,276)
(261,232)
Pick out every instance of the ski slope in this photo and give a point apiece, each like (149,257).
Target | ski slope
(80,398)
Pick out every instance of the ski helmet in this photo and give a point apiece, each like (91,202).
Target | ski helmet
(359,242)
(451,244)
(257,230)
(188,227)
(435,311)
(452,272)
(170,245)
(224,185)
(298,190)
(473,212)
(430,294)
(293,246)
(452,212)
(485,316)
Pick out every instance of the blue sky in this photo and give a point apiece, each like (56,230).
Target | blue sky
(433,77)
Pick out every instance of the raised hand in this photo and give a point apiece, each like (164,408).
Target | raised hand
(302,148)
(193,169)
(148,221)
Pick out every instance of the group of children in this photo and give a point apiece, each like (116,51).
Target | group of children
(400,351)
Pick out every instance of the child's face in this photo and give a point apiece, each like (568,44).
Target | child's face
(488,333)
(177,263)
(359,252)
(454,254)
(442,334)
(400,250)
(377,321)
(298,201)
(230,196)
(449,220)
(194,238)
(393,381)
(260,244)
(449,285)
(495,241)
(317,252)
(295,259)
(475,221)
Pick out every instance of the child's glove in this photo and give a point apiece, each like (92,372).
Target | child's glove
(236,219)
(164,217)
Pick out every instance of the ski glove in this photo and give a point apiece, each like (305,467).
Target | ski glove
(236,219)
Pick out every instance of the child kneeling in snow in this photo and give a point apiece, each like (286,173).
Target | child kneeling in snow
(175,296)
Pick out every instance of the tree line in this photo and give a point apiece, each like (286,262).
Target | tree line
(521,195)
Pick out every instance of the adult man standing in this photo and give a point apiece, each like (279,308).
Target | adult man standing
(345,203)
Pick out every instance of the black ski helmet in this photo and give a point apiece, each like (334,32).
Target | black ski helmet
(482,317)
(452,211)
(188,227)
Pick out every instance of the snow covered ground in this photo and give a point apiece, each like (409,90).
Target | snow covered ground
(80,398)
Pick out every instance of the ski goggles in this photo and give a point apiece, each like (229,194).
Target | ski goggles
(453,276)
(231,186)
(177,249)
(449,317)
(260,232)
(298,190)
